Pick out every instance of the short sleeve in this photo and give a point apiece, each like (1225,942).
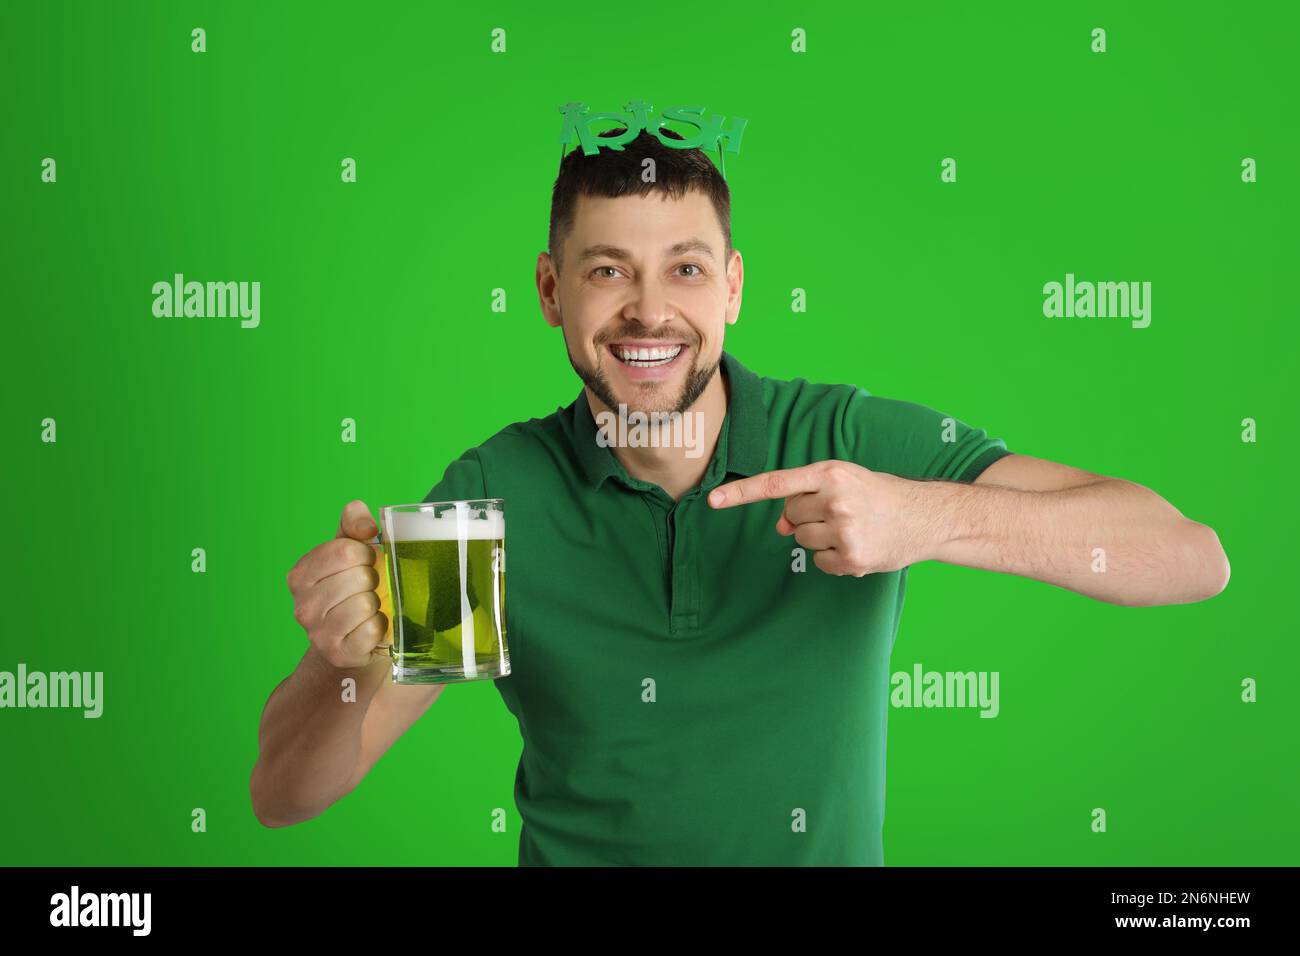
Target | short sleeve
(914,441)
(462,480)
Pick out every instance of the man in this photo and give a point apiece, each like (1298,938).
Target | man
(690,688)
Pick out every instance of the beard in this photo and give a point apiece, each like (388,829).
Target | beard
(697,377)
(697,380)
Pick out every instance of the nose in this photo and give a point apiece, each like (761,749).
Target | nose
(649,305)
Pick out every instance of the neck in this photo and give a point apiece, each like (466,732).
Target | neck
(684,449)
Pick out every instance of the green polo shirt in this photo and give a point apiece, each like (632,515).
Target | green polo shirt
(685,696)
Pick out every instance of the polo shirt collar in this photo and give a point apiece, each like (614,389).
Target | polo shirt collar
(742,441)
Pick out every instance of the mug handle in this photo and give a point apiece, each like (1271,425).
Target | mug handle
(385,598)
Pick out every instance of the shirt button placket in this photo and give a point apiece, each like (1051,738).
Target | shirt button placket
(685,606)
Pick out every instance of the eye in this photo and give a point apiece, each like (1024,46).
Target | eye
(595,272)
(692,265)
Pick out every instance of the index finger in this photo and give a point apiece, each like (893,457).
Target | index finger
(770,484)
(330,557)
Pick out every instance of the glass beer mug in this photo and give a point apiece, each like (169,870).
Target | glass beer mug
(445,577)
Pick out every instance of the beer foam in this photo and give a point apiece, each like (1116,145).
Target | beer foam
(426,526)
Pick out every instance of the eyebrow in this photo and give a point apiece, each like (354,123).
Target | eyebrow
(605,251)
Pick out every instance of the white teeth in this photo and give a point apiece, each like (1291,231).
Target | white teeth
(647,357)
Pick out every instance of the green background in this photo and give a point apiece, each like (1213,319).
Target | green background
(182,433)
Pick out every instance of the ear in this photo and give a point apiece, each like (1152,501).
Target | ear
(547,288)
(735,285)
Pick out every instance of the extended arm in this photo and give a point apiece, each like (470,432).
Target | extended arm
(1106,538)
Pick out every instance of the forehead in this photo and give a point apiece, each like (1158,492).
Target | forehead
(641,221)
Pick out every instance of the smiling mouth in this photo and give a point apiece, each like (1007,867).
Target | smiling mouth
(638,357)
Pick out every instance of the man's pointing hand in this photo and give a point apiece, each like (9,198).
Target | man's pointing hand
(858,521)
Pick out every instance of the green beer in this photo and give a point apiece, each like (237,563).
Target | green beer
(445,564)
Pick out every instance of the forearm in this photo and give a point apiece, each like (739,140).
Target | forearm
(309,739)
(1112,540)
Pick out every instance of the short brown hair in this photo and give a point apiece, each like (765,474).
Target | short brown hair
(612,173)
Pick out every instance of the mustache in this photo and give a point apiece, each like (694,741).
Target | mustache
(643,336)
